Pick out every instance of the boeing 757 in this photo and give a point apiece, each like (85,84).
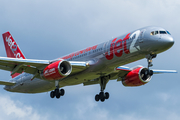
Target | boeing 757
(94,65)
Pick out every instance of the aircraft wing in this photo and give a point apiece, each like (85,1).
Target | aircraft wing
(19,65)
(163,71)
(32,66)
(122,71)
(6,83)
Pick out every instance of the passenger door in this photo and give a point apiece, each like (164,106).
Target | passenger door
(141,35)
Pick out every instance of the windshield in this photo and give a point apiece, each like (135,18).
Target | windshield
(159,32)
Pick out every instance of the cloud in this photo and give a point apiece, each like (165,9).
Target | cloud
(10,109)
(87,109)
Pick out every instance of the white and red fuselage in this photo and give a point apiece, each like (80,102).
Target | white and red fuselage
(102,60)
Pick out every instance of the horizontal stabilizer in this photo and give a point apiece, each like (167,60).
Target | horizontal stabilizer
(7,83)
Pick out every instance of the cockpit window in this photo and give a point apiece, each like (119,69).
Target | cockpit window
(159,32)
(162,32)
(152,33)
(156,32)
(168,32)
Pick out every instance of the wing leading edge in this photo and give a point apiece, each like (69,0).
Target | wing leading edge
(122,71)
(32,66)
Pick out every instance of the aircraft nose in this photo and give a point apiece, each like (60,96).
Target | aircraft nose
(162,43)
(167,41)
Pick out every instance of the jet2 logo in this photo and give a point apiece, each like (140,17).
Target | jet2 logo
(134,38)
(13,47)
(117,47)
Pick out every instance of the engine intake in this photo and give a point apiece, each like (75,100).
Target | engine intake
(137,77)
(57,70)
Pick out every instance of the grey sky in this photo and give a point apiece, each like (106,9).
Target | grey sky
(49,29)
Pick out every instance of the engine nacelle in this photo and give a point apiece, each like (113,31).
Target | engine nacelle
(57,70)
(137,77)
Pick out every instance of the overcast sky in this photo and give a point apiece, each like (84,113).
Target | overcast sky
(47,29)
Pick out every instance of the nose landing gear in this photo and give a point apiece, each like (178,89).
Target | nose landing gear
(149,58)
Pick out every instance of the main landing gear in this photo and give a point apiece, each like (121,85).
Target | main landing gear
(57,92)
(102,96)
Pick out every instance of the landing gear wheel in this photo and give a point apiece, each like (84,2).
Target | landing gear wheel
(150,72)
(52,94)
(97,97)
(103,99)
(58,96)
(62,92)
(101,95)
(56,91)
(107,95)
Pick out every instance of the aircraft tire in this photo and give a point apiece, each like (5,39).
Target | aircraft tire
(150,72)
(56,91)
(97,97)
(106,95)
(52,94)
(62,92)
(101,95)
(103,99)
(58,96)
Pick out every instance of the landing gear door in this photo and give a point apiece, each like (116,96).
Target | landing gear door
(141,36)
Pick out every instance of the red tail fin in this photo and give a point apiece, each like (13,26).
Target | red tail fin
(12,49)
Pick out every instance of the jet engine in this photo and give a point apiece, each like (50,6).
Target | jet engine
(137,77)
(57,70)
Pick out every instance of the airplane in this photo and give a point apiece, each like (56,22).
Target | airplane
(94,65)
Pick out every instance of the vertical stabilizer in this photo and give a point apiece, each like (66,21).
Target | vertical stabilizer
(12,49)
